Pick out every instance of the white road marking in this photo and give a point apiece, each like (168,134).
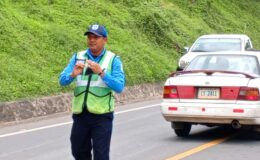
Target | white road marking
(34,129)
(70,122)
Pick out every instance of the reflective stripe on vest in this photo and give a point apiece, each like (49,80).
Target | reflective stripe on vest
(100,98)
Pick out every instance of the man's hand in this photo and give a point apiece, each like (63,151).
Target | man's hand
(94,66)
(78,68)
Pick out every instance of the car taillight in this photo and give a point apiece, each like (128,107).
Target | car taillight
(229,93)
(249,93)
(170,92)
(186,92)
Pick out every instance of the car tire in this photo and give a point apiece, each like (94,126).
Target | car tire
(255,132)
(255,136)
(181,129)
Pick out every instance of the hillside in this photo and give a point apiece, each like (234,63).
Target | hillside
(38,37)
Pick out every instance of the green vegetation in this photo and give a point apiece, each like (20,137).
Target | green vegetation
(38,37)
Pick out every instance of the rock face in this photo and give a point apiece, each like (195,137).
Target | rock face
(26,109)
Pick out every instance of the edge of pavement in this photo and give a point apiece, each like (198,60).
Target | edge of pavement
(17,111)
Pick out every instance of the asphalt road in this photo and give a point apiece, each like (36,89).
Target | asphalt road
(140,133)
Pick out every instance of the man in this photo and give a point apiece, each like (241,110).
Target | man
(98,73)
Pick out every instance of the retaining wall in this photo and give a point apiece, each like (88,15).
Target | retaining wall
(43,106)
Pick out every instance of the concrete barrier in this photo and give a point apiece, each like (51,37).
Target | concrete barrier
(43,106)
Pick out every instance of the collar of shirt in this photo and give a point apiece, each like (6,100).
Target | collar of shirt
(93,58)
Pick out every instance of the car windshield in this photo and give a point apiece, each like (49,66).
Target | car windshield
(237,63)
(217,44)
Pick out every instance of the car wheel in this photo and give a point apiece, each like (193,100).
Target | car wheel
(255,133)
(182,129)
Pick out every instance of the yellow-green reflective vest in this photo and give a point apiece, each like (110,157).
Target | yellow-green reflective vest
(99,98)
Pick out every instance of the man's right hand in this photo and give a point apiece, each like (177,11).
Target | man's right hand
(78,68)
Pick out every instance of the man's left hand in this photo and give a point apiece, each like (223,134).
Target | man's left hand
(95,67)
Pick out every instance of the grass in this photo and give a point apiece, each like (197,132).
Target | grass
(38,37)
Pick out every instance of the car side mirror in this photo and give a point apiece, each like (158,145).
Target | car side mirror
(185,50)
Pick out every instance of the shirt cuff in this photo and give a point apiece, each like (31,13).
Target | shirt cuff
(105,78)
(69,78)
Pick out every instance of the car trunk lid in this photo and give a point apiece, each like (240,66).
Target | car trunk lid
(209,87)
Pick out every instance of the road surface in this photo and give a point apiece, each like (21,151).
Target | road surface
(140,133)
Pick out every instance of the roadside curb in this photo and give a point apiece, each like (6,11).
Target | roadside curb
(26,109)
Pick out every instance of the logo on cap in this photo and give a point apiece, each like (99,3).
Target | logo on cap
(95,27)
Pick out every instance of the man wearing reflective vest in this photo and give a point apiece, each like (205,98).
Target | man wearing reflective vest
(98,73)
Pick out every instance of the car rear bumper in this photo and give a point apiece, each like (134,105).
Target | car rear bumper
(210,120)
(246,114)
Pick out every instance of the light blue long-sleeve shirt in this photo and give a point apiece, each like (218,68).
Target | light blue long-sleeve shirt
(115,80)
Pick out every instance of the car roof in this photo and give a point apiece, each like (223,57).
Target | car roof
(252,53)
(224,36)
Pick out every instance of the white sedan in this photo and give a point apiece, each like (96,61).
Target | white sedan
(215,43)
(214,89)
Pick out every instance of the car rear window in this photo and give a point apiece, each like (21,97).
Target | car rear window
(237,63)
(217,44)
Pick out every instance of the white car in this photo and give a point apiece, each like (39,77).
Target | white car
(220,88)
(215,43)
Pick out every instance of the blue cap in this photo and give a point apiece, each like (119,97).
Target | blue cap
(97,29)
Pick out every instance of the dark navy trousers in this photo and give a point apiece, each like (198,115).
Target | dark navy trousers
(91,131)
